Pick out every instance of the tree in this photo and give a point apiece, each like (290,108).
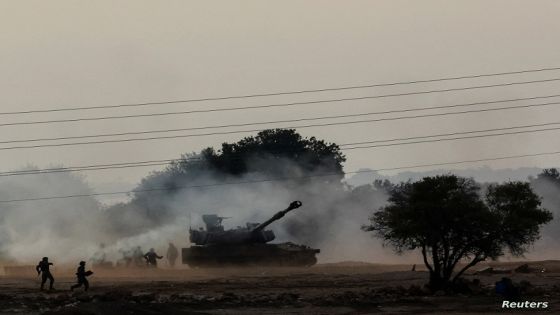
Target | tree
(269,150)
(448,220)
(550,174)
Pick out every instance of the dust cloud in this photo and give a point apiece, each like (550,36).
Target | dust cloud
(72,229)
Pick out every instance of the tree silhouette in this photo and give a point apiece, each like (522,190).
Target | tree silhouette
(550,174)
(258,154)
(446,218)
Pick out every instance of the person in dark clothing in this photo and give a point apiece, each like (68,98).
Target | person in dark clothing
(82,275)
(151,258)
(43,267)
(172,254)
(507,289)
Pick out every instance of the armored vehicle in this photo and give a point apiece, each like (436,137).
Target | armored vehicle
(244,246)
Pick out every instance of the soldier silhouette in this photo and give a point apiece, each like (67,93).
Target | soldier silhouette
(172,254)
(43,268)
(151,258)
(82,275)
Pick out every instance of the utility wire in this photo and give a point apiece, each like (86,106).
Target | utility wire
(287,127)
(465,132)
(344,147)
(89,167)
(278,121)
(38,122)
(450,139)
(275,179)
(283,93)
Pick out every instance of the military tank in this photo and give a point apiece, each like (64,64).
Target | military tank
(244,246)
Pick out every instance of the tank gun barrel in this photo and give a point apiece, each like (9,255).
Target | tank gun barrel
(278,216)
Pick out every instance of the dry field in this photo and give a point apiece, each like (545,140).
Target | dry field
(343,288)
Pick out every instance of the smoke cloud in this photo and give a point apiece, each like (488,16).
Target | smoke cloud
(69,230)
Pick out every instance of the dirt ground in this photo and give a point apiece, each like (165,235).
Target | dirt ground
(343,288)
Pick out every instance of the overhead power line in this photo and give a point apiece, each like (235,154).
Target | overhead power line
(344,147)
(270,122)
(244,96)
(463,132)
(55,121)
(280,121)
(448,139)
(94,167)
(203,186)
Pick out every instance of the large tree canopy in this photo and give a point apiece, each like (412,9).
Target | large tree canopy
(271,154)
(259,154)
(448,220)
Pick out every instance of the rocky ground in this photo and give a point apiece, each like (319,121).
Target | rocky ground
(325,289)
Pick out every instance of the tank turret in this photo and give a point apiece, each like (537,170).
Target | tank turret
(251,233)
(244,245)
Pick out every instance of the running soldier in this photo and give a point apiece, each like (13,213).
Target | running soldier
(43,267)
(82,275)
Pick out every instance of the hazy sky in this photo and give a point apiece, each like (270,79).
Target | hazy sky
(88,53)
